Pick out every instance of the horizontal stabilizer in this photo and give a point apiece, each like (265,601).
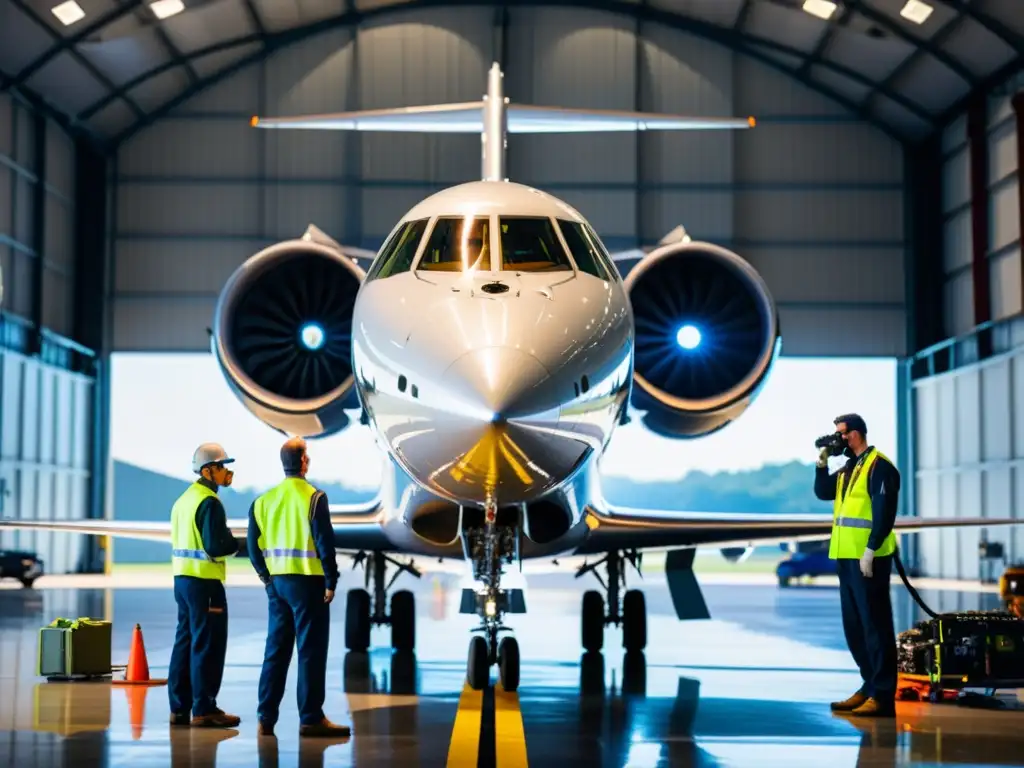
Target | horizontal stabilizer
(467,117)
(687,598)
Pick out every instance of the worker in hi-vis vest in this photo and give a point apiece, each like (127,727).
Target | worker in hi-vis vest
(291,546)
(865,494)
(200,543)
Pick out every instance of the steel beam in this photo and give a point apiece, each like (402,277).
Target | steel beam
(1018,109)
(38,228)
(977,148)
(924,244)
(746,44)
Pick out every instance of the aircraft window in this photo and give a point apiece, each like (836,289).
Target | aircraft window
(397,255)
(602,253)
(457,244)
(530,244)
(583,249)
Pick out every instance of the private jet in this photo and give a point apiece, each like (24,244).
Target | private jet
(493,345)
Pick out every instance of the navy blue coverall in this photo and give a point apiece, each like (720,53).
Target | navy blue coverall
(200,643)
(297,612)
(865,602)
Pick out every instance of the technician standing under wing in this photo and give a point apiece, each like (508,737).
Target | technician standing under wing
(865,495)
(291,546)
(200,543)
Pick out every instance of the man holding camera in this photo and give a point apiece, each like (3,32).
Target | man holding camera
(864,495)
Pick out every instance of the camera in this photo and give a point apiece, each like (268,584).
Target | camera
(834,442)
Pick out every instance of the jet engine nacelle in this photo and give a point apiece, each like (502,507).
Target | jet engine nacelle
(707,335)
(736,554)
(282,335)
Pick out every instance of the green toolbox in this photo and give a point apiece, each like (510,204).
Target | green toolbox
(75,648)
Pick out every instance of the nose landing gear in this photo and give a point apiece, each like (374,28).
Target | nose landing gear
(631,615)
(489,548)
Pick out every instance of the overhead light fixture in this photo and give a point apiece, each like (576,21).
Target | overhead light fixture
(823,9)
(916,11)
(68,13)
(164,9)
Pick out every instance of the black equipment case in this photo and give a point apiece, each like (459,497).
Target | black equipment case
(977,649)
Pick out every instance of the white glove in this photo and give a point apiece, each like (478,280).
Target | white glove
(866,561)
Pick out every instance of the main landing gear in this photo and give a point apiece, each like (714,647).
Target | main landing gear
(490,547)
(359,618)
(632,615)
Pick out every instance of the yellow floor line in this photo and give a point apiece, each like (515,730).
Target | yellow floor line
(509,736)
(464,748)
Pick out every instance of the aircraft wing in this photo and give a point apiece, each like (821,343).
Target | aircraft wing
(467,117)
(356,527)
(622,528)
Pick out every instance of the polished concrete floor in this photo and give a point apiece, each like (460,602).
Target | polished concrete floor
(750,687)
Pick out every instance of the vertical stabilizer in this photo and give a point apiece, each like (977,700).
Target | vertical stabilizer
(494,141)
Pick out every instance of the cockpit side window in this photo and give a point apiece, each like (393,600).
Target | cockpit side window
(397,254)
(602,252)
(531,244)
(584,250)
(458,244)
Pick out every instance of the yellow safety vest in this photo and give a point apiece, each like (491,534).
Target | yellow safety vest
(851,516)
(284,515)
(188,556)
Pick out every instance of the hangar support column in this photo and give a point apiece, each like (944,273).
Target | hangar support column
(977,147)
(90,326)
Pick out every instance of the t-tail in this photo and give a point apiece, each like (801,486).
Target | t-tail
(494,117)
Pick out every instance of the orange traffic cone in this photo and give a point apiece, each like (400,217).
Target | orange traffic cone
(137,672)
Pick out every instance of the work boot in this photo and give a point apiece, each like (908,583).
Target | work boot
(875,708)
(265,730)
(849,704)
(325,728)
(179,718)
(216,719)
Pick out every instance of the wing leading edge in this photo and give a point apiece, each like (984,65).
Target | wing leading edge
(626,528)
(467,117)
(356,527)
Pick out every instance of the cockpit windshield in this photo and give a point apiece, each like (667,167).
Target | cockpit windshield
(531,244)
(458,244)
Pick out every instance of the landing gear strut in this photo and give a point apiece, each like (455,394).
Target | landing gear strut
(360,617)
(489,548)
(631,615)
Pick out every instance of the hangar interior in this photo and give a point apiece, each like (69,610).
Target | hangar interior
(878,195)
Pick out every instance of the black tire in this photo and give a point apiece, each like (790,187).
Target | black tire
(783,581)
(634,673)
(592,621)
(478,670)
(592,674)
(508,664)
(634,621)
(27,583)
(403,621)
(357,620)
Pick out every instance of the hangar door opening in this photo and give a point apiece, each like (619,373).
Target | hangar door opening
(165,405)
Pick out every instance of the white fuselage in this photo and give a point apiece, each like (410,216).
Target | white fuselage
(489,379)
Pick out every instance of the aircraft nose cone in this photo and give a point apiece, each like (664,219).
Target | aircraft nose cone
(501,383)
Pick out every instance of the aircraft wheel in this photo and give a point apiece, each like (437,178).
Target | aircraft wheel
(634,621)
(508,664)
(357,620)
(478,670)
(592,621)
(403,620)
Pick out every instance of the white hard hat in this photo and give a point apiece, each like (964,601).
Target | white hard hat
(209,453)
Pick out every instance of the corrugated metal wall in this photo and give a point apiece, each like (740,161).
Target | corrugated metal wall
(970,421)
(45,412)
(201,191)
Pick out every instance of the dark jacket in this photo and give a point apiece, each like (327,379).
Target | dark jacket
(212,524)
